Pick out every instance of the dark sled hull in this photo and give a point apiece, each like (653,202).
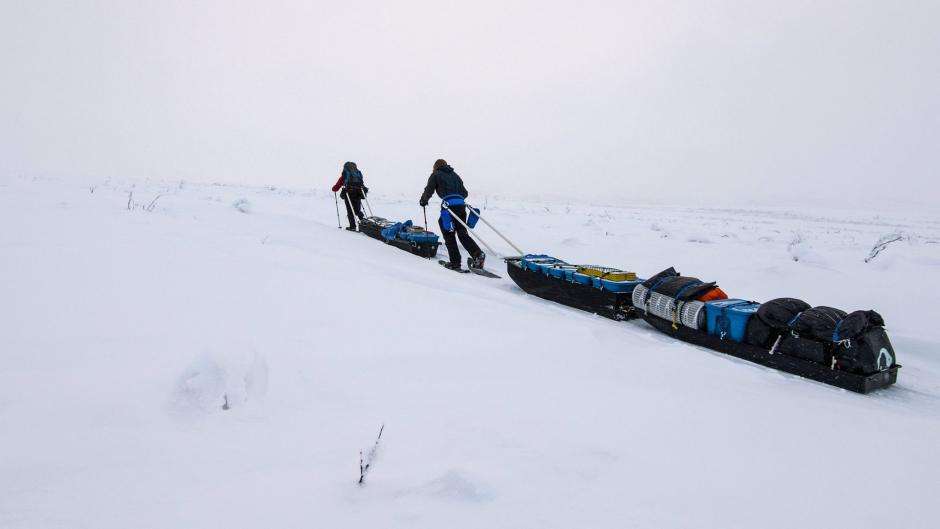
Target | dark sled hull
(613,305)
(427,250)
(786,363)
(619,306)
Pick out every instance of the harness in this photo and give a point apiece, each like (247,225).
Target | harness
(447,221)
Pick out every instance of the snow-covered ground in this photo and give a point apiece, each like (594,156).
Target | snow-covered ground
(129,323)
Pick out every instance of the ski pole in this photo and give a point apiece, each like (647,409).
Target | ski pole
(470,231)
(335,199)
(355,218)
(516,248)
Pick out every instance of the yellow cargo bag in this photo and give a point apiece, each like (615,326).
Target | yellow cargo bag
(610,274)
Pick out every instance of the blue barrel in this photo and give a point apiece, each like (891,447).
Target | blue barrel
(727,318)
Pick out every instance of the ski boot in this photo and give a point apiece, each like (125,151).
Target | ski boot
(351,228)
(453,266)
(476,262)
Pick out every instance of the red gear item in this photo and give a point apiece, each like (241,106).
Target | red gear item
(713,295)
(338,184)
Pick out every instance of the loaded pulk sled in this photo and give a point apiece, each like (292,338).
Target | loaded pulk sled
(403,235)
(848,350)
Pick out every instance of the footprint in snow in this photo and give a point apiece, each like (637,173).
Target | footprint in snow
(455,485)
(699,239)
(219,380)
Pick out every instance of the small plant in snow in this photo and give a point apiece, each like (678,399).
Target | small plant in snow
(883,243)
(152,204)
(133,205)
(367,459)
(795,247)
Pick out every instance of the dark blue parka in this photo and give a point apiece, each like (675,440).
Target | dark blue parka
(445,182)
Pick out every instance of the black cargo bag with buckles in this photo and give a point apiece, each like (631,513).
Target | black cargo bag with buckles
(861,344)
(773,321)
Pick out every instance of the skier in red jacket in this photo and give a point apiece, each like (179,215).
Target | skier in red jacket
(354,190)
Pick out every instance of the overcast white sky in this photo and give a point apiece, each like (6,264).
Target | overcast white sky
(713,101)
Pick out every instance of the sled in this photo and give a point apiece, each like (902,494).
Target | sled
(586,297)
(425,246)
(547,278)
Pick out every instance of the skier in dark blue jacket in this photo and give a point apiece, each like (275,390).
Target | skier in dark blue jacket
(449,186)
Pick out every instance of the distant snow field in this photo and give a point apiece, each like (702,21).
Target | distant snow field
(185,355)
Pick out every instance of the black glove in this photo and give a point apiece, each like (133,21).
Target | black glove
(422,203)
(365,190)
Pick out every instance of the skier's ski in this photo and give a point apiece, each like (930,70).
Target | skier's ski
(445,263)
(479,270)
(484,272)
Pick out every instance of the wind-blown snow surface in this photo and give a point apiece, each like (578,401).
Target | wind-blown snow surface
(126,331)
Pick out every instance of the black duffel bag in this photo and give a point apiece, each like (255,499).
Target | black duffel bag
(819,323)
(862,345)
(773,320)
(653,281)
(778,313)
(867,353)
(856,324)
(681,288)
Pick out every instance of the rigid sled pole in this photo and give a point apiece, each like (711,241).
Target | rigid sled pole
(470,231)
(497,232)
(354,216)
(364,197)
(336,199)
(425,210)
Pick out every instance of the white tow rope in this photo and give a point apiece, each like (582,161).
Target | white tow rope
(477,236)
(354,216)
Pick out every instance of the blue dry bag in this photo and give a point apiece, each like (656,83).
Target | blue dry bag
(473,217)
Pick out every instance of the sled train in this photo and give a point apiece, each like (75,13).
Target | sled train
(847,350)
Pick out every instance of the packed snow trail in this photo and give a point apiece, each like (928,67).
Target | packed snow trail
(126,331)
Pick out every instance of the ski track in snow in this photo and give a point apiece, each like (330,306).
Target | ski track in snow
(129,320)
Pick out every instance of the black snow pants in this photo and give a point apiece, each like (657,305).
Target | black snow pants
(450,237)
(354,196)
